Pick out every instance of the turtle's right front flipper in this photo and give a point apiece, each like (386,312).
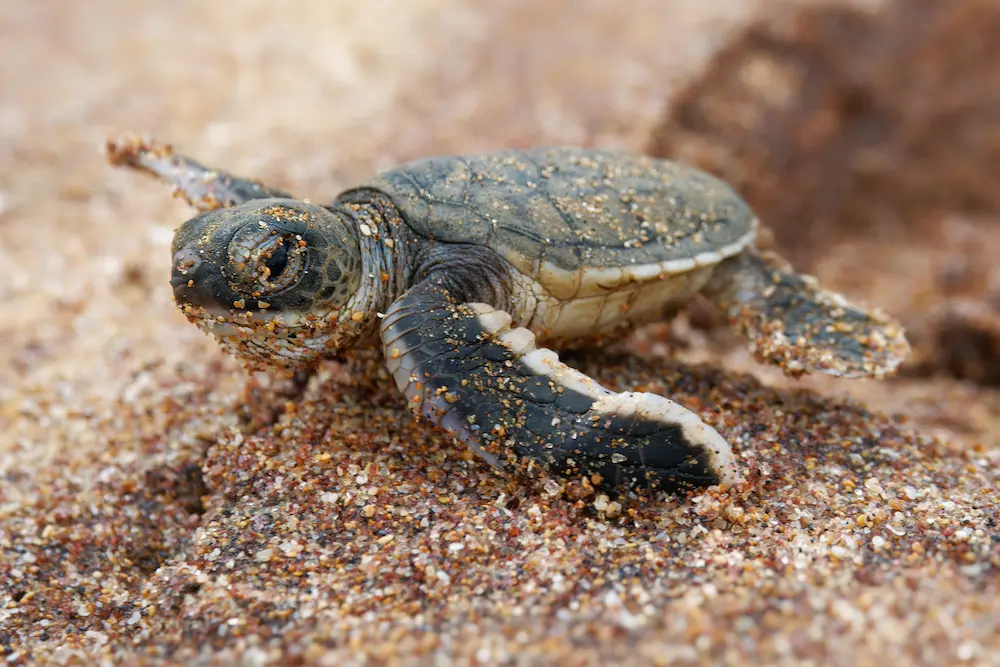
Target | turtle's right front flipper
(205,189)
(463,367)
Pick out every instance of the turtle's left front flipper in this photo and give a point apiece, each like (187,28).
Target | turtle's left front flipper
(463,367)
(205,189)
(792,322)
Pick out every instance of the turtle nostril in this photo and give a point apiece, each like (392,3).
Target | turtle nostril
(186,260)
(186,264)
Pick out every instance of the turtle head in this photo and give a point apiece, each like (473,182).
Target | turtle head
(272,279)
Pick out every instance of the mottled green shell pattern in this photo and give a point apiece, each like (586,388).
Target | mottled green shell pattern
(573,209)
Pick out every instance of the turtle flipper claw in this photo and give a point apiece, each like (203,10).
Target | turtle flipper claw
(792,322)
(464,368)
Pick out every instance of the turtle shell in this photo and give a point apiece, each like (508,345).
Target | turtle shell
(577,221)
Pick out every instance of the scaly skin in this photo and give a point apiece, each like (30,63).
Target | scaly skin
(285,283)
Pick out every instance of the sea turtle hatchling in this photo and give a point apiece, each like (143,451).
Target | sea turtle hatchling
(462,268)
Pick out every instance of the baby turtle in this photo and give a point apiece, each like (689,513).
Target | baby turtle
(462,268)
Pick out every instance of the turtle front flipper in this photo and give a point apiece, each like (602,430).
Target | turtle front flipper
(463,367)
(205,189)
(792,322)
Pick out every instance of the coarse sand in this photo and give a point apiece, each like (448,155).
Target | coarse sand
(160,506)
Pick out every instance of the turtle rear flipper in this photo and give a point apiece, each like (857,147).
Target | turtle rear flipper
(792,322)
(461,366)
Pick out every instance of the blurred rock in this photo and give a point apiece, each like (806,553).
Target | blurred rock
(834,120)
(969,341)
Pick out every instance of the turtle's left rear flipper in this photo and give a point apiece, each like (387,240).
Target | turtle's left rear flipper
(792,322)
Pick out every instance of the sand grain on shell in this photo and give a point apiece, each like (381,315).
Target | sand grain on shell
(160,507)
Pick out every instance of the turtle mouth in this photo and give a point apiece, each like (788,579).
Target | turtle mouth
(221,321)
(263,340)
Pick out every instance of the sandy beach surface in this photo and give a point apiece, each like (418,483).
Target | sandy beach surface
(160,506)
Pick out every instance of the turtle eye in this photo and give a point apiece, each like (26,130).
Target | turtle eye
(278,261)
(268,262)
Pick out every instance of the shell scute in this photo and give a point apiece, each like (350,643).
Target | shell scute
(567,217)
